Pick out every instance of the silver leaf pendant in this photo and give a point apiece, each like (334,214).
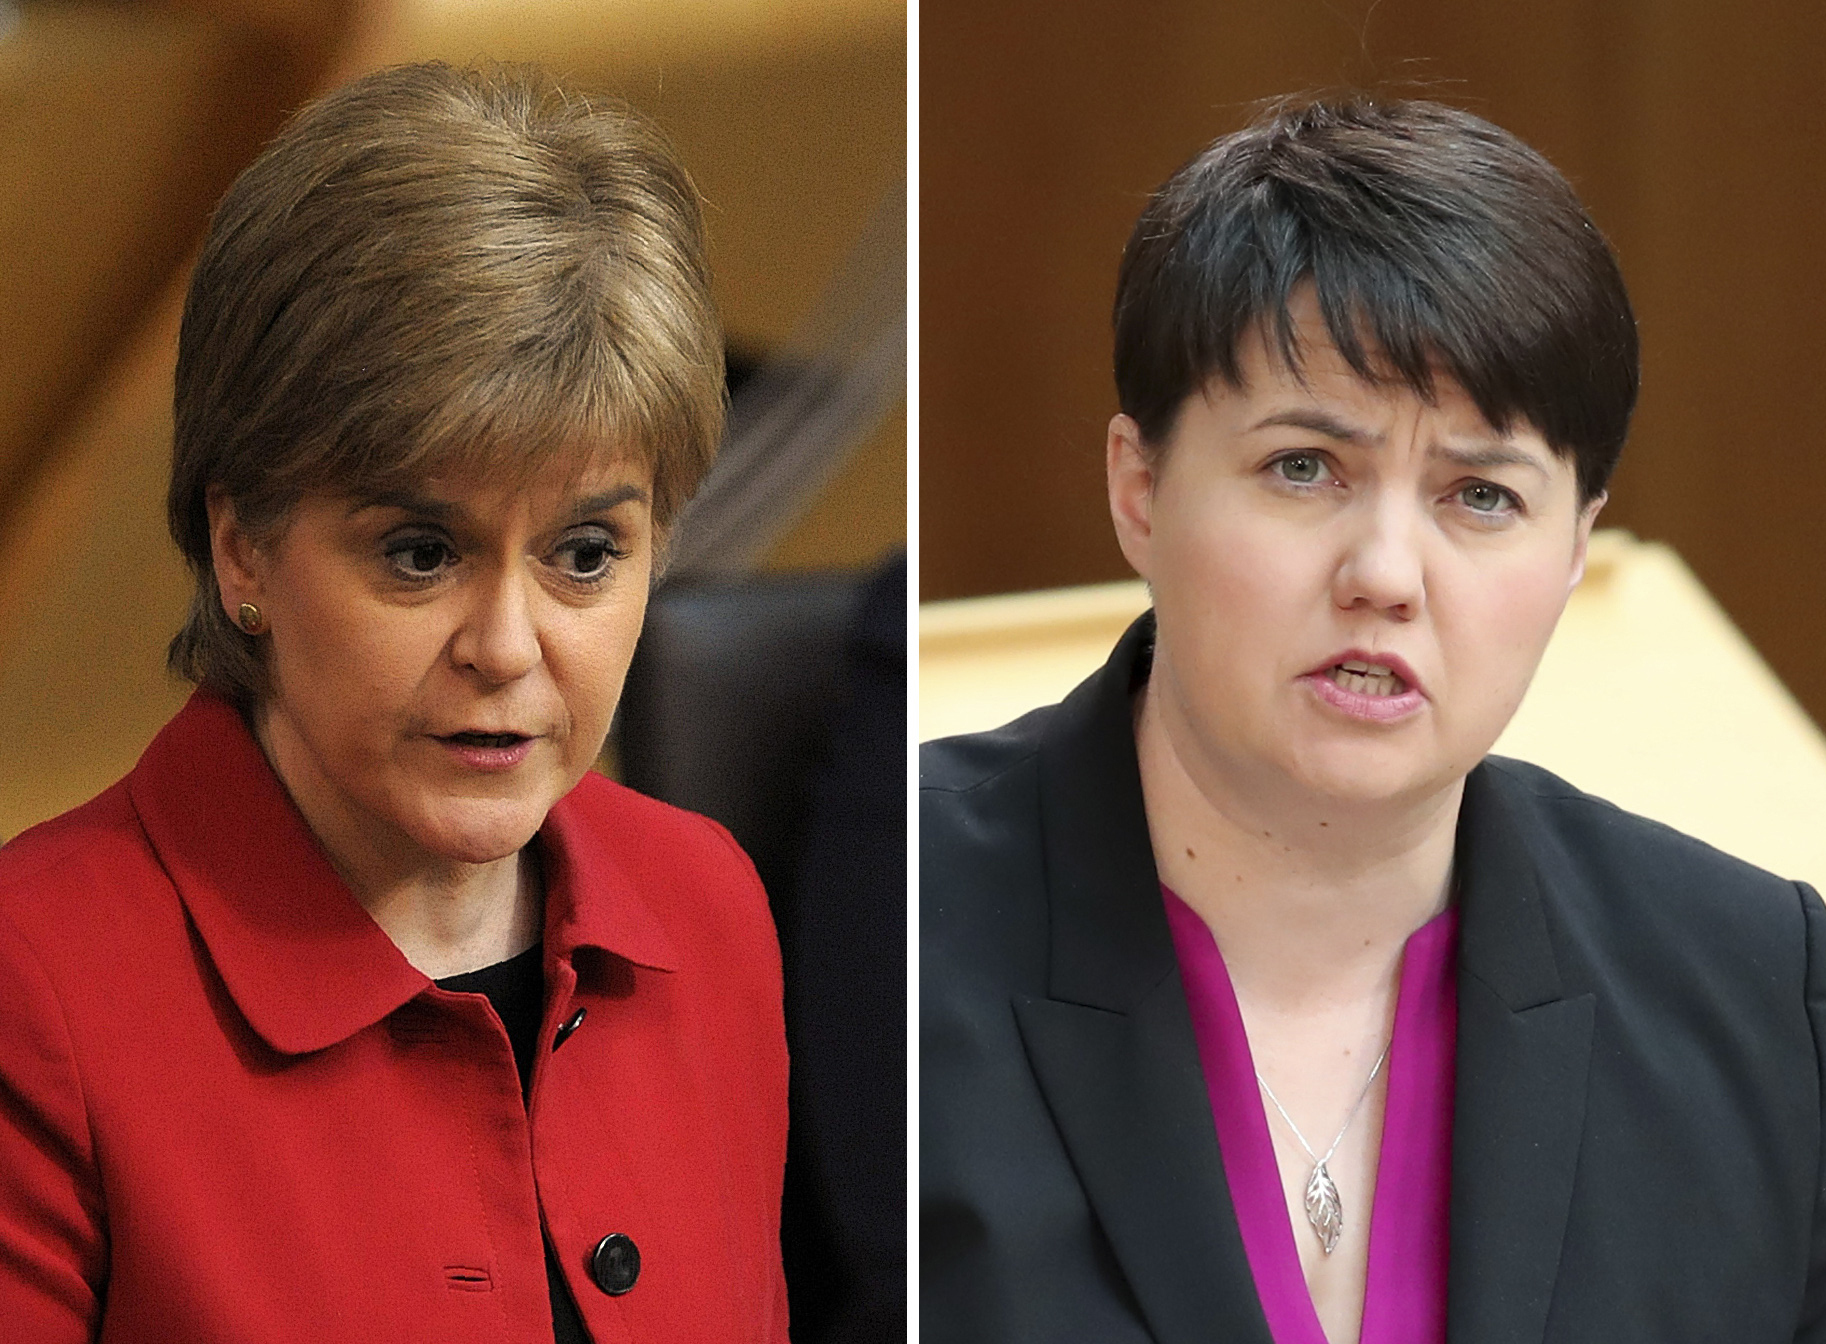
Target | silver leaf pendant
(1322,1208)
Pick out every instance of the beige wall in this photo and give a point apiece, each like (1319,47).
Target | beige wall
(1692,130)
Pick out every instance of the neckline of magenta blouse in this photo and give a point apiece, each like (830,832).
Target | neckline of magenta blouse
(1404,1299)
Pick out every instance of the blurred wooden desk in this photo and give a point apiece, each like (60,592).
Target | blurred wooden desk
(1648,696)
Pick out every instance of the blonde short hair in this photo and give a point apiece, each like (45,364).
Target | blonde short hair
(437,270)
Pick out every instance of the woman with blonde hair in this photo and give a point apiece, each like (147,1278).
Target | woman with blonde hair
(361,1009)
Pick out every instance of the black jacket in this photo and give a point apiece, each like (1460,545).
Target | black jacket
(1636,1148)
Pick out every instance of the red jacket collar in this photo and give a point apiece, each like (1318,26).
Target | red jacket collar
(592,897)
(304,962)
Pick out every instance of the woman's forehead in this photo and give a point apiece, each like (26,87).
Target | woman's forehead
(1313,375)
(569,467)
(1299,346)
(470,487)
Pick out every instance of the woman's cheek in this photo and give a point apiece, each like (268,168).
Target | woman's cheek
(1514,622)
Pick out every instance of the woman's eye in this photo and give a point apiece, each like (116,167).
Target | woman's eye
(589,557)
(1302,468)
(420,557)
(1482,497)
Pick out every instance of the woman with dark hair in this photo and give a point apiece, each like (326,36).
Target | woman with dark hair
(360,1009)
(1259,1004)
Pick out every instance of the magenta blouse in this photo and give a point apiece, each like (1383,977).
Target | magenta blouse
(1404,1299)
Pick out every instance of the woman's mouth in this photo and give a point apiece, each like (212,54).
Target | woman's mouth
(1366,678)
(485,739)
(1367,689)
(488,751)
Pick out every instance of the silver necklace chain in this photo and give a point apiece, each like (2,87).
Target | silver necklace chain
(1323,1209)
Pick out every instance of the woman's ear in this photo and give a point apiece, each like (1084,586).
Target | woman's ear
(1129,473)
(237,560)
(1588,516)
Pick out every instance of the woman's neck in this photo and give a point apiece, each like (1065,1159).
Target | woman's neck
(1309,900)
(461,918)
(445,916)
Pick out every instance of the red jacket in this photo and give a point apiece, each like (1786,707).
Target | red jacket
(231,1111)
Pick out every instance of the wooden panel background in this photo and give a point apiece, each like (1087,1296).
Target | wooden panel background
(1691,129)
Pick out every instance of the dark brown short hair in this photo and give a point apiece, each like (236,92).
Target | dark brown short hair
(1432,239)
(437,270)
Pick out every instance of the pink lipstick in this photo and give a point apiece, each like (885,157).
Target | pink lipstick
(1370,687)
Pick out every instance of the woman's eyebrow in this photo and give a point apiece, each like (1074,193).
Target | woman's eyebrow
(1317,422)
(1490,455)
(443,510)
(1480,457)
(407,501)
(608,499)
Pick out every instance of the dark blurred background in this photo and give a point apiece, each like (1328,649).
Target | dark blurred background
(1692,130)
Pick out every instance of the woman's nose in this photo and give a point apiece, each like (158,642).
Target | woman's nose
(1383,567)
(499,636)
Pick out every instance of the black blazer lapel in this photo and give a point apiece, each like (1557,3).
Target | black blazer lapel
(1524,1050)
(1112,1045)
(1127,1094)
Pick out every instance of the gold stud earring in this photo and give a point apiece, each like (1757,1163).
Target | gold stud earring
(250,618)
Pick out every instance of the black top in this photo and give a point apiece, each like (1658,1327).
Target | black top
(1636,1144)
(516,989)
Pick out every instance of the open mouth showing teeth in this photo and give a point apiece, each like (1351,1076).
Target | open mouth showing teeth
(1366,678)
(486,739)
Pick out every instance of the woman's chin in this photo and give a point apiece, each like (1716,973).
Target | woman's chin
(1376,775)
(478,831)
